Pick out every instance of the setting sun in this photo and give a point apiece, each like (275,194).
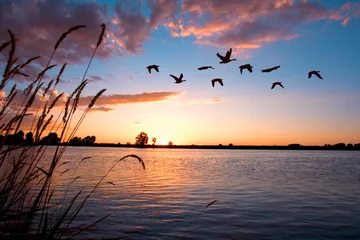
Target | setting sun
(162,142)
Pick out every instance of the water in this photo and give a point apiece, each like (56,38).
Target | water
(262,194)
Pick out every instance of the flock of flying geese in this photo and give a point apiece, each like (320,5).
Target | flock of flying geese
(226,59)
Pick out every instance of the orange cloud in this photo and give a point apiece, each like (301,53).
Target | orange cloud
(101,109)
(117,99)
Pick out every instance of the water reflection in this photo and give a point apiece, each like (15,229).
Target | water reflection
(262,194)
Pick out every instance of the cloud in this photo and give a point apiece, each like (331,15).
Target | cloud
(95,79)
(20,98)
(215,100)
(346,12)
(132,27)
(116,99)
(38,24)
(162,11)
(101,109)
(250,24)
(137,123)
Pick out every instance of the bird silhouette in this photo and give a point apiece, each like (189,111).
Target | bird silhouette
(205,67)
(156,67)
(277,83)
(219,80)
(246,66)
(270,69)
(178,79)
(316,73)
(226,59)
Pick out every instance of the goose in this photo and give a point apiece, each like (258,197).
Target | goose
(178,79)
(156,67)
(246,66)
(277,83)
(226,59)
(270,69)
(219,80)
(316,73)
(205,67)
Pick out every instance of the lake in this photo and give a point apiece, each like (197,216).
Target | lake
(262,194)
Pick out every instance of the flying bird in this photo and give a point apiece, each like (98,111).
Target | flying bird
(219,80)
(246,66)
(156,67)
(277,83)
(178,79)
(316,73)
(226,59)
(270,69)
(205,67)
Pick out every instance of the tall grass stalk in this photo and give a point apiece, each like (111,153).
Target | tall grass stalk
(28,208)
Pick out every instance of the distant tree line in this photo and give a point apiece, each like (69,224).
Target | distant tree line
(20,138)
(86,141)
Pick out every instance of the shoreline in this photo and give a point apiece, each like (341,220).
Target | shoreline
(355,147)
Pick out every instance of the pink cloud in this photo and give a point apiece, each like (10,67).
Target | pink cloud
(250,24)
(162,11)
(132,28)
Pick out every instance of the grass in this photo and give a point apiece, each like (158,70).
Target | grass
(27,207)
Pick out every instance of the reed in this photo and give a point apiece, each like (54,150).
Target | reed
(28,208)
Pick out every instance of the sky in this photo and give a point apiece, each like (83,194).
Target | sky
(182,35)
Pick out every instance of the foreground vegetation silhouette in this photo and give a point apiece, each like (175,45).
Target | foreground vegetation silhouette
(28,208)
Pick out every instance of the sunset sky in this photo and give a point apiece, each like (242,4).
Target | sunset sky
(181,36)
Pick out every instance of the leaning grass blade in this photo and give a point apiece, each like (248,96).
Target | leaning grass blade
(64,35)
(211,203)
(11,54)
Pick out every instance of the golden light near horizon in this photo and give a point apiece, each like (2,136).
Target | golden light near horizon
(162,142)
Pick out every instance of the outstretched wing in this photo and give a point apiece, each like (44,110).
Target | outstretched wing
(273,85)
(318,75)
(156,68)
(174,77)
(181,76)
(213,83)
(228,53)
(221,82)
(281,85)
(220,56)
(249,68)
(309,74)
(149,69)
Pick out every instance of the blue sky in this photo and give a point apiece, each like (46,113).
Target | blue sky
(181,36)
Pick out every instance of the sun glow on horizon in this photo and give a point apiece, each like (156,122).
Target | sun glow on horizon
(162,142)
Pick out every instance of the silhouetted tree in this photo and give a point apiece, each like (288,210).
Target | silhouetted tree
(29,138)
(231,145)
(170,143)
(153,140)
(128,143)
(75,141)
(14,139)
(142,139)
(88,140)
(50,139)
(339,146)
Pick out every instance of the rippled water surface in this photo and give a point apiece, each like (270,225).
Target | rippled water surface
(262,194)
